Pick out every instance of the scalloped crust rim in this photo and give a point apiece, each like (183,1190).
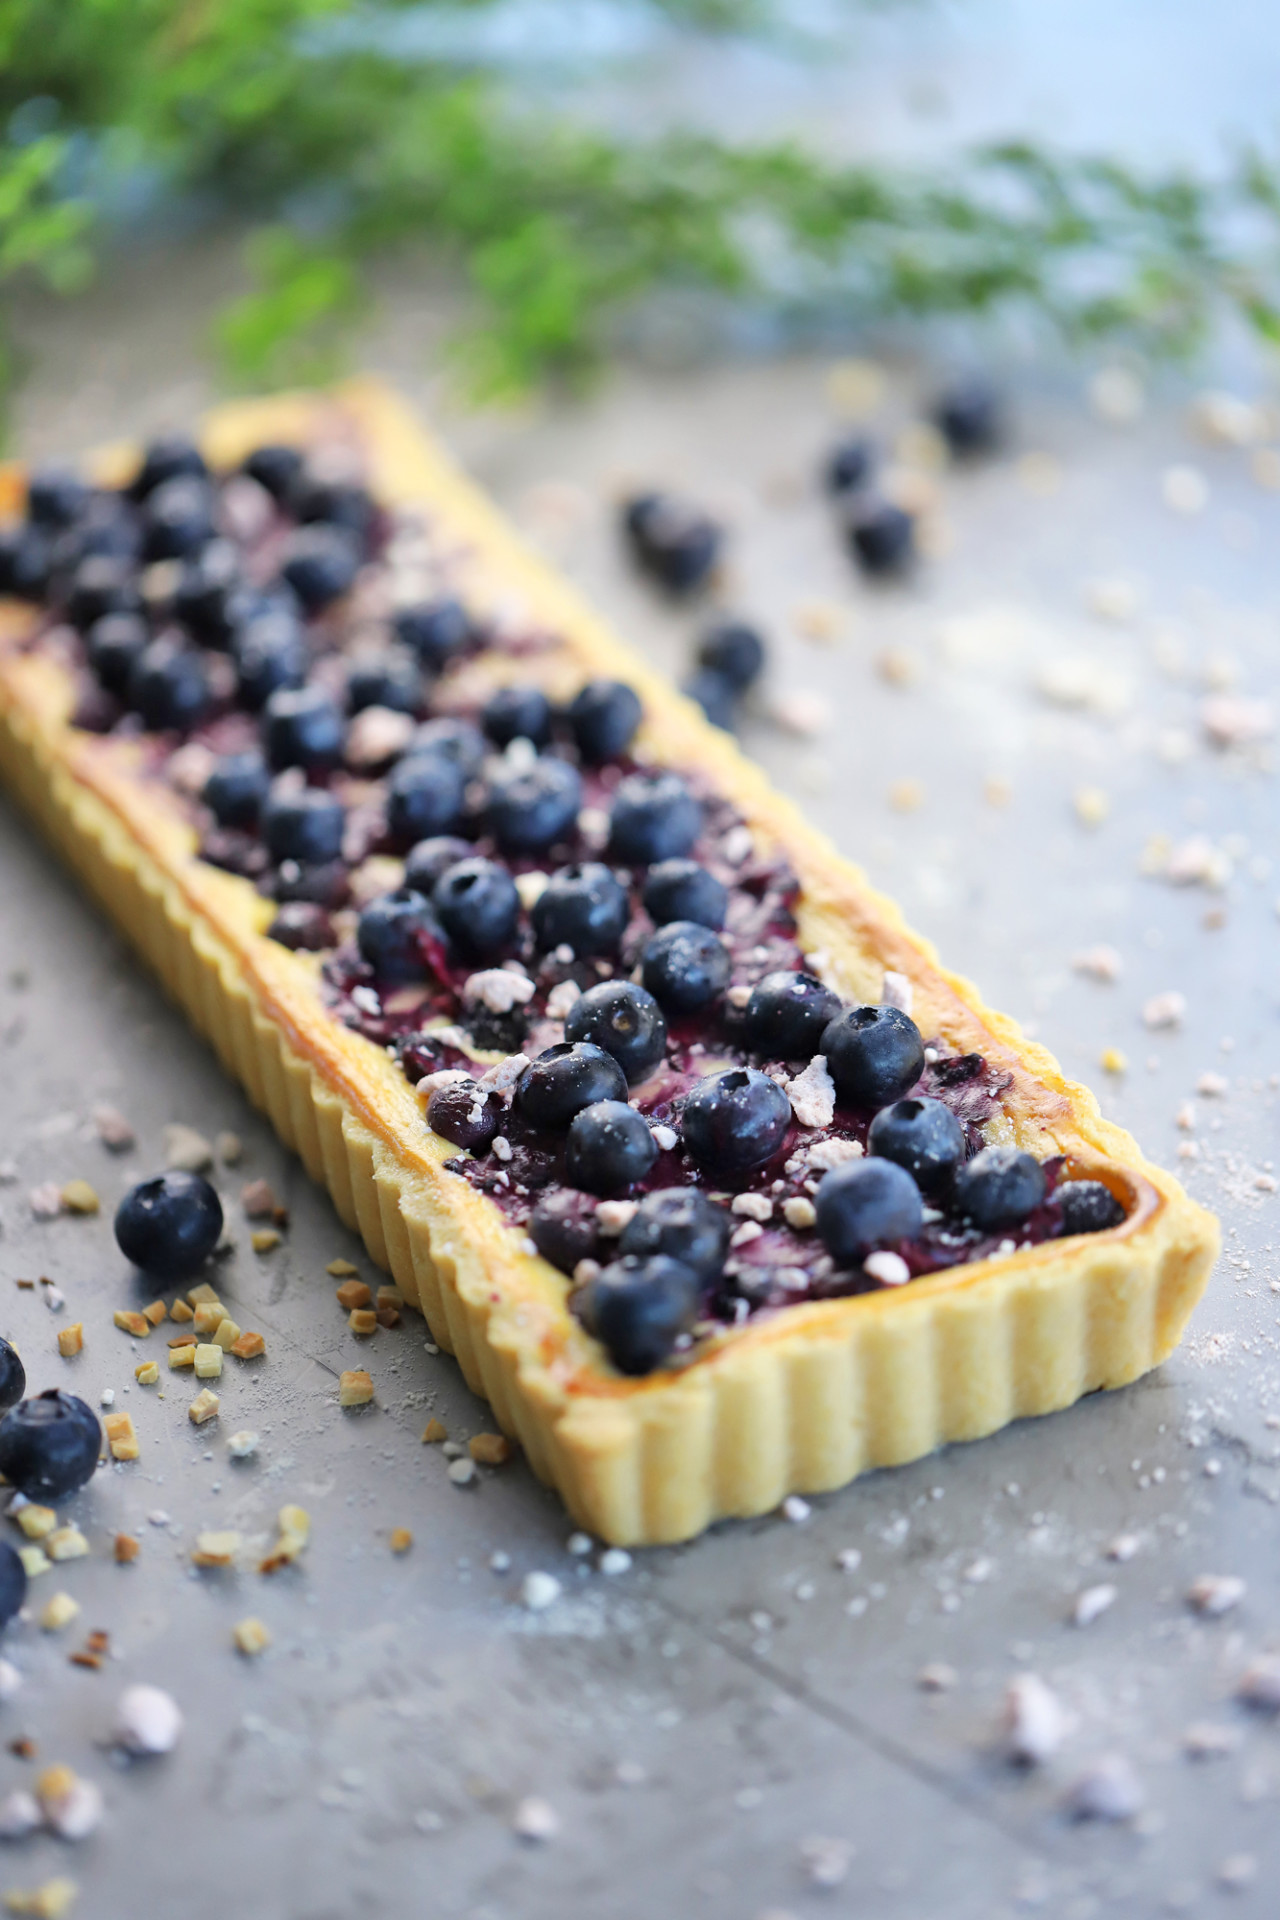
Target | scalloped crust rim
(799,1401)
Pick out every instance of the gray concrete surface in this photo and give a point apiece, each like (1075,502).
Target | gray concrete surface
(694,1721)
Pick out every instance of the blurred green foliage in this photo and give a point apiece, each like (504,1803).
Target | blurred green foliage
(339,152)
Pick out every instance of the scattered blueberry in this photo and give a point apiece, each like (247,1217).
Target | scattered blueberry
(391,679)
(457,740)
(582,907)
(874,1054)
(177,519)
(270,654)
(735,651)
(236,789)
(336,503)
(882,537)
(1088,1207)
(604,716)
(675,543)
(531,808)
(517,713)
(391,934)
(787,1015)
(609,1147)
(682,1223)
(424,797)
(320,564)
(734,1122)
(276,468)
(924,1137)
(13,1583)
(970,418)
(562,1227)
(478,907)
(685,967)
(867,1204)
(305,825)
(170,456)
(169,687)
(56,496)
(712,692)
(115,644)
(169,1224)
(654,817)
(13,1376)
(303,728)
(683,890)
(303,926)
(49,1445)
(102,583)
(564,1080)
(638,1308)
(999,1187)
(464,1114)
(623,1019)
(425,863)
(436,630)
(850,465)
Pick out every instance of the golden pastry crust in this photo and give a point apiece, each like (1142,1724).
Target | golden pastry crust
(801,1400)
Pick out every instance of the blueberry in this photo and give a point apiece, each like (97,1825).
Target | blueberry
(211,599)
(999,1187)
(13,1583)
(236,789)
(391,934)
(107,529)
(13,1377)
(882,537)
(115,644)
(582,907)
(654,817)
(734,1122)
(321,883)
(306,826)
(478,907)
(425,863)
(436,630)
(563,1228)
(26,562)
(609,1147)
(303,728)
(924,1137)
(277,468)
(638,1308)
(169,687)
(874,1054)
(49,1445)
(675,543)
(517,713)
(604,716)
(712,692)
(530,809)
(464,1113)
(104,583)
(867,1204)
(682,1223)
(787,1015)
(170,456)
(564,1080)
(1088,1207)
(177,519)
(389,679)
(733,650)
(336,503)
(850,465)
(303,926)
(169,1224)
(623,1019)
(424,796)
(321,564)
(682,890)
(270,654)
(970,418)
(457,740)
(685,967)
(56,496)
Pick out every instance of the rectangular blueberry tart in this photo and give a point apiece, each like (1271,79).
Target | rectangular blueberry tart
(719,1187)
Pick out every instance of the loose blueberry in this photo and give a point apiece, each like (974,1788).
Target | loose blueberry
(478,906)
(320,564)
(638,1308)
(970,418)
(270,654)
(425,863)
(1088,1207)
(13,1376)
(609,1147)
(563,1228)
(654,817)
(306,826)
(211,599)
(177,519)
(623,1019)
(675,543)
(999,1187)
(517,713)
(464,1113)
(564,1080)
(391,679)
(457,740)
(169,687)
(874,1054)
(712,692)
(303,728)
(882,537)
(170,456)
(924,1137)
(103,583)
(733,650)
(236,789)
(867,1204)
(391,935)
(685,967)
(169,1224)
(303,926)
(49,1446)
(850,465)
(682,890)
(582,907)
(276,468)
(531,808)
(424,797)
(734,1122)
(115,644)
(604,716)
(336,503)
(55,498)
(436,630)
(787,1015)
(13,1583)
(682,1223)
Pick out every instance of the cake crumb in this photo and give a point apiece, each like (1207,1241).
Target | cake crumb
(128,1322)
(248,1346)
(251,1637)
(127,1549)
(265,1240)
(207,1360)
(342,1269)
(204,1406)
(355,1388)
(66,1543)
(215,1548)
(49,1901)
(58,1611)
(156,1312)
(352,1294)
(362,1320)
(79,1197)
(71,1340)
(401,1540)
(490,1449)
(121,1436)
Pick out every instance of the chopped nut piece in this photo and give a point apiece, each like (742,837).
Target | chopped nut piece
(148,1373)
(71,1340)
(208,1362)
(490,1449)
(34,1561)
(401,1540)
(156,1312)
(1215,1593)
(209,1315)
(113,1129)
(354,1293)
(388,1316)
(215,1549)
(202,1295)
(226,1333)
(434,1432)
(59,1611)
(48,1902)
(36,1521)
(341,1269)
(205,1405)
(183,1340)
(250,1636)
(183,1356)
(67,1543)
(135,1323)
(258,1201)
(355,1388)
(186,1150)
(121,1438)
(264,1240)
(79,1197)
(127,1549)
(247,1346)
(362,1320)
